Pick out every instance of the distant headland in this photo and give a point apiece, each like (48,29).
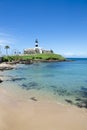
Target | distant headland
(31,55)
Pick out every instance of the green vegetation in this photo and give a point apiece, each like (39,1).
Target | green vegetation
(7,47)
(34,57)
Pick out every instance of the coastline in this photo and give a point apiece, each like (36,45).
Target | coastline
(17,114)
(34,113)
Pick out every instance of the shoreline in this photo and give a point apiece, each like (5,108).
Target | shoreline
(81,103)
(6,66)
(32,113)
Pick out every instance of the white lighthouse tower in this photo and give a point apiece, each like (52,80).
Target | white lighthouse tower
(36,43)
(37,48)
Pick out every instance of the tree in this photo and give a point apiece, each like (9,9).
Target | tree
(7,47)
(51,51)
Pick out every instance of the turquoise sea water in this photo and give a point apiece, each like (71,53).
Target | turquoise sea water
(63,81)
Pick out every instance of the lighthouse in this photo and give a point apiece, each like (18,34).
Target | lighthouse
(37,48)
(36,43)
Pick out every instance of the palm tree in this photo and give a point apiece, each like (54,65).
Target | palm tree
(7,47)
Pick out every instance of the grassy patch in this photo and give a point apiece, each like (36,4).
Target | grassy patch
(34,57)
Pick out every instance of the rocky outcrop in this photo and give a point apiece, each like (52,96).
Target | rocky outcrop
(5,66)
(26,62)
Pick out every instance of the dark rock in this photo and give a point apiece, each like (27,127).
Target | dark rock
(5,66)
(78,99)
(84,94)
(83,88)
(24,85)
(53,86)
(13,62)
(68,101)
(82,103)
(61,92)
(31,85)
(33,98)
(1,81)
(85,103)
(68,94)
(17,79)
(26,62)
(79,105)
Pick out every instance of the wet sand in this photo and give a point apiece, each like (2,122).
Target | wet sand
(18,114)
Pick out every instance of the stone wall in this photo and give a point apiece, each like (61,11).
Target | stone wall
(37,51)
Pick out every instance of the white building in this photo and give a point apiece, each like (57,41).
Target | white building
(36,49)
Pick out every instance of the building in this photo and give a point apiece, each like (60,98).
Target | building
(36,49)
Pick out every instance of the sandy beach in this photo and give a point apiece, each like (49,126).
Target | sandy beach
(16,114)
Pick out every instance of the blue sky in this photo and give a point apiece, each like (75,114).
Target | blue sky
(60,25)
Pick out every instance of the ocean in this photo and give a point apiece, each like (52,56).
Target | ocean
(64,82)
